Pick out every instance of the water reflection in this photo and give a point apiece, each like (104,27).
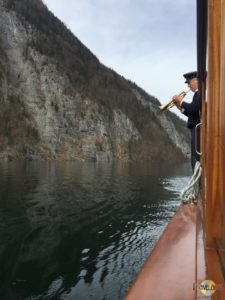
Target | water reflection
(80,230)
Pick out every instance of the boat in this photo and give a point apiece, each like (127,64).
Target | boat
(188,261)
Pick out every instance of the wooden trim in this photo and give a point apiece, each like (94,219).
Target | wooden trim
(212,171)
(169,272)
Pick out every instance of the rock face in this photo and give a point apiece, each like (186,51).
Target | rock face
(59,102)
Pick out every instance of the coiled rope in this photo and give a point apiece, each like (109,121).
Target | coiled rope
(190,192)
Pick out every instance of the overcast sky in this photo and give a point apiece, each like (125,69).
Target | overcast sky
(150,42)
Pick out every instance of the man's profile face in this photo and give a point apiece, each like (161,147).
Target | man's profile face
(193,84)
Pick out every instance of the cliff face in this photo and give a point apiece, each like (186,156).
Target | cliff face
(59,102)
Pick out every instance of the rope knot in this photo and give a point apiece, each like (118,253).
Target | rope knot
(190,192)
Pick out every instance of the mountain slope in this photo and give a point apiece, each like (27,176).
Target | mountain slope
(59,102)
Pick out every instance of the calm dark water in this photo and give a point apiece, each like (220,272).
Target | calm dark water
(80,230)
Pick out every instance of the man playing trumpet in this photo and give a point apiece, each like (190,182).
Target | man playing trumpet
(192,111)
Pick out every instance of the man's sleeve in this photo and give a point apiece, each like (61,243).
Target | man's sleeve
(189,109)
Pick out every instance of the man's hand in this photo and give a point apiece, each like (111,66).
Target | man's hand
(177,99)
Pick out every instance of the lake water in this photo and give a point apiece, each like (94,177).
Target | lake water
(80,231)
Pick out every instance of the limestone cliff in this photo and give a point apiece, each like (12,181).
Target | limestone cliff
(59,102)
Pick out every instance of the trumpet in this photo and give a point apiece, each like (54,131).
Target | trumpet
(170,103)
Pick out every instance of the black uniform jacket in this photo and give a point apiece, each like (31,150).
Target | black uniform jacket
(192,110)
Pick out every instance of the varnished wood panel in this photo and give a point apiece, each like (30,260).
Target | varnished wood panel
(214,273)
(222,121)
(213,142)
(213,221)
